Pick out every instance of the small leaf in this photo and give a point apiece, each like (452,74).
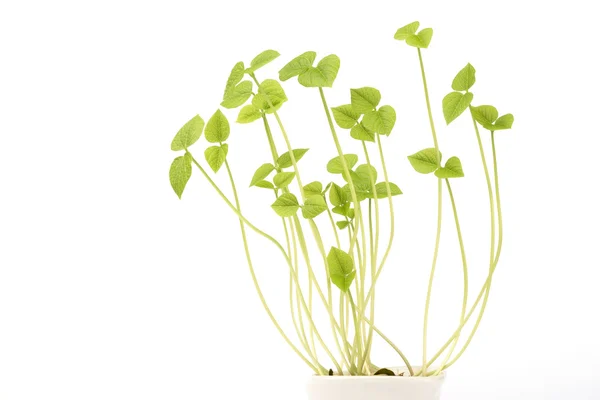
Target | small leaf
(248,113)
(269,89)
(188,134)
(454,104)
(342,210)
(286,205)
(359,132)
(363,172)
(385,371)
(235,77)
(341,268)
(238,95)
(361,190)
(323,75)
(425,161)
(297,66)
(464,79)
(180,173)
(261,60)
(406,31)
(313,206)
(421,39)
(485,115)
(365,99)
(452,169)
(285,161)
(381,121)
(283,179)
(342,224)
(215,156)
(382,192)
(345,116)
(313,189)
(261,173)
(337,196)
(217,128)
(264,185)
(335,166)
(504,122)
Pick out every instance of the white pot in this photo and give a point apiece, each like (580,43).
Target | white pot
(381,387)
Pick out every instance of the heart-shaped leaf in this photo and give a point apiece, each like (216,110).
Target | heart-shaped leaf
(323,75)
(454,104)
(464,79)
(313,206)
(345,116)
(180,173)
(342,224)
(406,31)
(366,173)
(261,60)
(297,66)
(217,128)
(188,134)
(215,156)
(264,185)
(452,169)
(286,205)
(425,161)
(235,77)
(341,268)
(382,191)
(313,189)
(248,113)
(381,121)
(359,132)
(485,115)
(283,179)
(269,90)
(238,95)
(365,99)
(285,161)
(261,173)
(421,39)
(335,165)
(337,196)
(504,122)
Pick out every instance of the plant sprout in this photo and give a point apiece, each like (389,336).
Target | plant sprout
(350,204)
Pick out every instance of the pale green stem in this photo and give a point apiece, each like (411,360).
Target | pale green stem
(393,346)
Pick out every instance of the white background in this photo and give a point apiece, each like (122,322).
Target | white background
(111,288)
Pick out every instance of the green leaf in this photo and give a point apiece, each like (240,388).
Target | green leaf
(345,116)
(425,161)
(342,224)
(297,66)
(363,172)
(359,132)
(421,39)
(215,156)
(406,31)
(180,172)
(364,99)
(261,173)
(188,134)
(269,89)
(264,185)
(385,371)
(382,192)
(337,196)
(313,206)
(341,268)
(454,104)
(285,161)
(504,122)
(235,77)
(323,75)
(238,95)
(283,179)
(261,60)
(286,205)
(452,169)
(313,189)
(381,121)
(464,79)
(217,128)
(485,115)
(248,113)
(335,166)
(342,210)
(361,190)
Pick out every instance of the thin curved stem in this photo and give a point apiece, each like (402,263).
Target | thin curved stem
(393,346)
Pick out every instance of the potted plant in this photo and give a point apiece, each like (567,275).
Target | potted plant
(350,204)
